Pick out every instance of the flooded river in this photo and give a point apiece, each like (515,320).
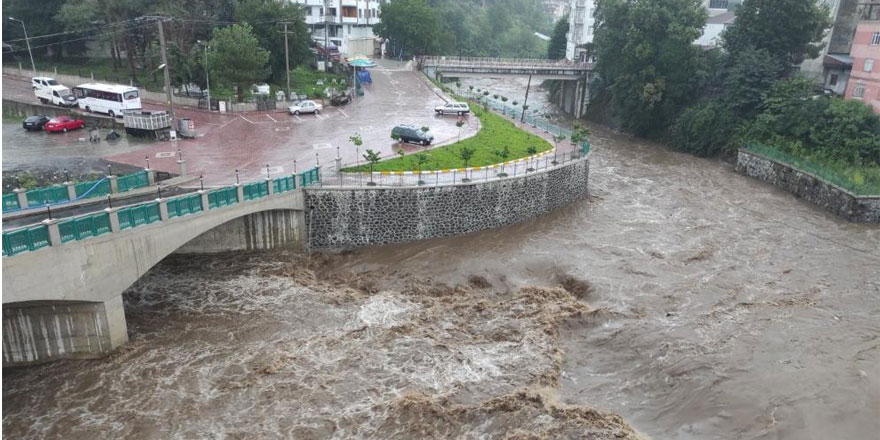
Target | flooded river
(694,302)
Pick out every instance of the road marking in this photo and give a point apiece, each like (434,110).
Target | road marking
(270,117)
(322,146)
(364,128)
(298,119)
(246,119)
(165,154)
(343,113)
(272,171)
(282,128)
(318,115)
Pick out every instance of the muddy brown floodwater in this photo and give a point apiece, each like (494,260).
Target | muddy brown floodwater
(693,302)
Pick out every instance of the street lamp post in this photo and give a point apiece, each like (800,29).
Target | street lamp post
(28,42)
(207,76)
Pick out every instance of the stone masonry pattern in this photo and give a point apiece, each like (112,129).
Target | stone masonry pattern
(810,188)
(341,218)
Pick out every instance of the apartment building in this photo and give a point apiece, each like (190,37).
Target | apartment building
(580,29)
(864,81)
(721,15)
(557,9)
(347,24)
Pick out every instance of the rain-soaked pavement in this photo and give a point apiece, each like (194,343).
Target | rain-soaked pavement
(250,141)
(695,302)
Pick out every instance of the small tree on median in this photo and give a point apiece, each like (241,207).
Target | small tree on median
(459,124)
(373,158)
(579,134)
(503,154)
(357,141)
(466,153)
(531,151)
(421,159)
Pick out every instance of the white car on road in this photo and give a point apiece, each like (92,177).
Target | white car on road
(305,107)
(453,108)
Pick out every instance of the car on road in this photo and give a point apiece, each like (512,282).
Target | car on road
(261,89)
(64,124)
(453,108)
(35,122)
(306,106)
(410,133)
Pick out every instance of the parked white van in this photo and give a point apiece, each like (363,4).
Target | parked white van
(107,98)
(48,90)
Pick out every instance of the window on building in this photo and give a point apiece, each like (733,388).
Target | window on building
(360,13)
(875,39)
(869,65)
(717,4)
(859,91)
(309,12)
(833,80)
(331,11)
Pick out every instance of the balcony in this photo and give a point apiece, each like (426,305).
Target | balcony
(349,20)
(348,3)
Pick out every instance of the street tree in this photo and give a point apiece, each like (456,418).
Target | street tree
(556,141)
(373,158)
(236,58)
(266,18)
(410,26)
(466,153)
(459,123)
(421,160)
(357,141)
(558,41)
(503,154)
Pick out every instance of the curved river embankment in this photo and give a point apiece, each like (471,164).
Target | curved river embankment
(697,303)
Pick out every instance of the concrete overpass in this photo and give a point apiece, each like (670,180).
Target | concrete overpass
(576,77)
(63,280)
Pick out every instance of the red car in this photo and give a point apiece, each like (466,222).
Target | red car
(63,124)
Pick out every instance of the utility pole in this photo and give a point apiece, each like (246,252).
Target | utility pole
(28,42)
(525,106)
(287,60)
(167,74)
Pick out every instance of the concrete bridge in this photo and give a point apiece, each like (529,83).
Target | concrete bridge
(63,280)
(572,98)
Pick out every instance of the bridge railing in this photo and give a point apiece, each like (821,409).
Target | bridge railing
(433,61)
(53,232)
(61,194)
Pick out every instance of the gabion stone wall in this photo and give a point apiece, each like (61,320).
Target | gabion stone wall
(340,218)
(811,188)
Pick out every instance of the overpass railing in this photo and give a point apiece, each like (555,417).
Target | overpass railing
(53,232)
(61,194)
(435,61)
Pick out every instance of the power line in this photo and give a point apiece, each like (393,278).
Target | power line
(97,27)
(139,25)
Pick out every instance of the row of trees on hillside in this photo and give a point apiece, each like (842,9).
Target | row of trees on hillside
(496,28)
(134,40)
(657,83)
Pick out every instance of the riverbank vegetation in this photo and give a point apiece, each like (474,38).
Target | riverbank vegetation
(496,134)
(748,91)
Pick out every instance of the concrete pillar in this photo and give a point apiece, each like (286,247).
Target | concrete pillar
(163,209)
(113,214)
(205,202)
(54,233)
(338,165)
(21,193)
(114,185)
(181,164)
(71,190)
(239,190)
(115,312)
(151,176)
(269,186)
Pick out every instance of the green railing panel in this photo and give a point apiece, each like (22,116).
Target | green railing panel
(26,239)
(185,205)
(102,189)
(310,177)
(255,190)
(284,184)
(10,202)
(135,216)
(222,197)
(47,196)
(83,227)
(132,181)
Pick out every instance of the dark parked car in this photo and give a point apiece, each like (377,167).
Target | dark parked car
(409,133)
(35,122)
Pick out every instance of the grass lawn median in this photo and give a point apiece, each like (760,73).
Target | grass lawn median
(494,135)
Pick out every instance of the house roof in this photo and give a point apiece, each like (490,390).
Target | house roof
(725,17)
(837,60)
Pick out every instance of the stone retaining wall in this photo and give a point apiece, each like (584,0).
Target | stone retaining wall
(809,187)
(339,218)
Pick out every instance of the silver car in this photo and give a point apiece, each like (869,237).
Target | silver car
(306,106)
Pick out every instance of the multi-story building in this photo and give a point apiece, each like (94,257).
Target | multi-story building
(580,29)
(864,81)
(557,9)
(347,24)
(721,15)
